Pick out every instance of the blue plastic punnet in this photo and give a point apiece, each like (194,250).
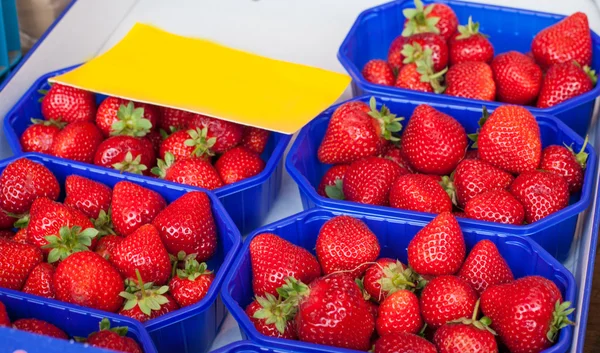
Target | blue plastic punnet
(251,347)
(508,29)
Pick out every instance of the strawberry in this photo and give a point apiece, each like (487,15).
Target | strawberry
(191,284)
(68,104)
(4,319)
(471,79)
(510,139)
(126,154)
(156,139)
(142,250)
(187,225)
(77,141)
(85,278)
(7,220)
(189,171)
(39,136)
(439,248)
(418,44)
(7,234)
(21,236)
(40,327)
(433,142)
(133,206)
(113,339)
(17,261)
(117,116)
(227,134)
(470,45)
(395,154)
(399,312)
(147,301)
(23,181)
(485,267)
(419,192)
(473,177)
(566,163)
(331,184)
(541,193)
(173,119)
(238,164)
(565,81)
(188,143)
(39,281)
(271,318)
(419,73)
(275,259)
(496,206)
(401,342)
(346,244)
(369,180)
(414,78)
(435,18)
(255,139)
(87,196)
(378,72)
(107,244)
(518,78)
(527,313)
(387,276)
(567,40)
(446,298)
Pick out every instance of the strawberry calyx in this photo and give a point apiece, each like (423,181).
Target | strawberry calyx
(273,311)
(105,326)
(336,191)
(423,59)
(193,269)
(292,291)
(481,324)
(130,164)
(388,122)
(69,241)
(581,156)
(418,22)
(103,224)
(469,30)
(51,122)
(163,165)
(201,142)
(447,184)
(475,136)
(361,284)
(22,220)
(591,74)
(131,122)
(396,277)
(560,319)
(147,296)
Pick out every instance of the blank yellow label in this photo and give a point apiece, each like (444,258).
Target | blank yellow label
(153,66)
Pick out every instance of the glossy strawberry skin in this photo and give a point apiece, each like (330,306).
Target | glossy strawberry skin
(399,312)
(87,196)
(474,48)
(375,274)
(448,22)
(562,82)
(227,134)
(275,259)
(331,175)
(39,282)
(447,298)
(269,329)
(255,139)
(473,177)
(114,149)
(378,72)
(561,161)
(471,79)
(133,206)
(194,172)
(38,138)
(107,113)
(113,341)
(40,327)
(173,118)
(369,180)
(409,78)
(68,104)
(518,78)
(137,314)
(77,141)
(396,155)
(175,144)
(435,42)
(17,262)
(541,193)
(459,338)
(496,206)
(186,292)
(485,267)
(238,164)
(418,192)
(403,343)
(107,244)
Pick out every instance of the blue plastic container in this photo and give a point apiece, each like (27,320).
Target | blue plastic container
(509,29)
(190,329)
(524,257)
(304,167)
(248,202)
(251,347)
(69,318)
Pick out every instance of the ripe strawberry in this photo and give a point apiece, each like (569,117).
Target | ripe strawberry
(439,248)
(438,50)
(40,327)
(473,177)
(378,72)
(17,261)
(173,119)
(346,244)
(395,154)
(471,79)
(496,206)
(436,18)
(113,339)
(275,259)
(85,278)
(433,142)
(191,284)
(117,116)
(419,192)
(146,302)
(470,45)
(188,143)
(4,319)
(369,180)
(39,281)
(7,220)
(565,81)
(23,181)
(187,225)
(238,164)
(399,313)
(227,134)
(39,136)
(485,267)
(21,236)
(541,193)
(419,73)
(510,139)
(414,78)
(403,343)
(87,196)
(69,104)
(156,139)
(564,41)
(133,206)
(255,139)
(189,171)
(518,78)
(386,276)
(126,154)
(331,184)
(77,141)
(7,234)
(527,313)
(566,163)
(271,318)
(107,244)
(447,298)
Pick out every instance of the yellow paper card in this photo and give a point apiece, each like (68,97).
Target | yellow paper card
(153,66)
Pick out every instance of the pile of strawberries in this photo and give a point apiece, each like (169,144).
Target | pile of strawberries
(140,138)
(347,296)
(107,337)
(504,177)
(435,54)
(122,250)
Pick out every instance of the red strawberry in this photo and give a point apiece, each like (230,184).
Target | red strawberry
(369,180)
(439,248)
(147,302)
(39,281)
(346,244)
(117,116)
(387,276)
(471,79)
(68,104)
(395,154)
(567,40)
(485,267)
(403,343)
(107,244)
(255,139)
(438,50)
(189,171)
(473,177)
(541,193)
(87,196)
(238,164)
(191,284)
(173,119)
(77,141)
(419,74)
(187,225)
(40,327)
(7,234)
(510,139)
(85,278)
(565,81)
(527,313)
(270,317)
(21,236)
(227,134)
(496,206)
(17,261)
(156,139)
(399,313)
(188,143)
(418,192)
(4,319)
(564,162)
(378,72)
(414,78)
(39,136)
(518,78)
(447,298)
(23,181)
(7,221)
(113,339)
(433,142)
(436,18)
(126,154)
(275,259)
(470,45)
(332,182)
(133,206)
